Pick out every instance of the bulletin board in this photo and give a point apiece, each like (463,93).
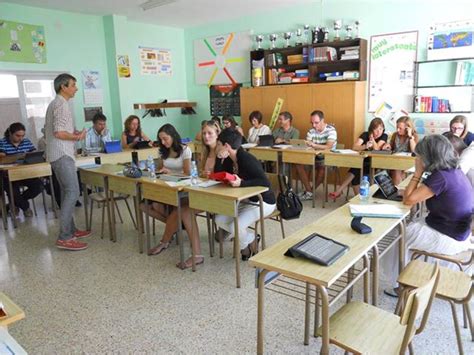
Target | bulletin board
(391,73)
(21,42)
(225,100)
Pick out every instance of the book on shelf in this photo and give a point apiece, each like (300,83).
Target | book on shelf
(431,104)
(348,57)
(464,73)
(304,79)
(350,75)
(322,54)
(295,59)
(334,78)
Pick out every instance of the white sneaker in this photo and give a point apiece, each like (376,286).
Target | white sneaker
(306,196)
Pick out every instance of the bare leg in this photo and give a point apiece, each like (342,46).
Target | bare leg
(344,184)
(397,176)
(319,176)
(303,177)
(157,211)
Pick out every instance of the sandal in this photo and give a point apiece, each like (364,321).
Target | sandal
(334,195)
(188,263)
(159,248)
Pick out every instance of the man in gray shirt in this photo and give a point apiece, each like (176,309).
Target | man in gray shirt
(61,136)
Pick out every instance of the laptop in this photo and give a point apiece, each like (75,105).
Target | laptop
(142,145)
(113,147)
(34,157)
(387,190)
(265,140)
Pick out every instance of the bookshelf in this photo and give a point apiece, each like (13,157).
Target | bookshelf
(344,60)
(452,95)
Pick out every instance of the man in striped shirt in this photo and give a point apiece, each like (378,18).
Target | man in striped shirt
(321,137)
(61,136)
(14,142)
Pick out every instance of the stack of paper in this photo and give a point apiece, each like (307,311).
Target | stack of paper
(376,210)
(345,151)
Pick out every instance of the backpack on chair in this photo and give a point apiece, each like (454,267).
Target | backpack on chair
(288,203)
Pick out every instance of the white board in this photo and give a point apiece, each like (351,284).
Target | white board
(391,71)
(223,59)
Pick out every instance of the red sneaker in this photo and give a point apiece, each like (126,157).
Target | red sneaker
(82,234)
(70,244)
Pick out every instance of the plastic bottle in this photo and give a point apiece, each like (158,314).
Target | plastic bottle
(364,189)
(194,173)
(150,163)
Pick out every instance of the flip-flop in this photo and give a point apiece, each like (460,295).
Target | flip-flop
(199,259)
(159,248)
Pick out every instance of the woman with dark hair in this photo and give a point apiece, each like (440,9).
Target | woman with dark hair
(458,126)
(14,142)
(175,158)
(374,139)
(229,121)
(448,195)
(258,128)
(132,133)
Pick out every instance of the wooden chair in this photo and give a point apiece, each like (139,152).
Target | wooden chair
(364,329)
(455,287)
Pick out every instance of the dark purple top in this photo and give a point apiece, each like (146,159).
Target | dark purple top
(450,207)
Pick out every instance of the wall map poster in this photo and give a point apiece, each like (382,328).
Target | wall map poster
(21,42)
(225,100)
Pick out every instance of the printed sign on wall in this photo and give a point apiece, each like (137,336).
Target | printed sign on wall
(21,42)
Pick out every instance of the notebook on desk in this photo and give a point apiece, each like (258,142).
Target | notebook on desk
(381,152)
(321,250)
(174,177)
(376,210)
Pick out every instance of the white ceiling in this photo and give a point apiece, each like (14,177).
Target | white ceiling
(182,13)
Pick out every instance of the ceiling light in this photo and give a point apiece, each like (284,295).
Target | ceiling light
(151,4)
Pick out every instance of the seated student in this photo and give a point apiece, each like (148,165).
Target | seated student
(286,131)
(175,158)
(403,141)
(321,137)
(97,135)
(14,142)
(458,126)
(210,131)
(132,133)
(448,196)
(374,139)
(258,128)
(248,171)
(216,119)
(229,122)
(42,142)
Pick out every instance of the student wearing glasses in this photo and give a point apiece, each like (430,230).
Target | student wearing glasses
(458,126)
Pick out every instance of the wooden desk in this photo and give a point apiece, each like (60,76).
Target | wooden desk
(335,225)
(225,200)
(159,191)
(303,156)
(14,314)
(22,172)
(353,160)
(267,154)
(390,162)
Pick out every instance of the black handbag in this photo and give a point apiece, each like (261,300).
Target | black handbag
(288,203)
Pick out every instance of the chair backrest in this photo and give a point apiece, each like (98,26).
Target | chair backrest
(418,305)
(340,146)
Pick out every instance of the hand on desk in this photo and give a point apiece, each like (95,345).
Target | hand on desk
(164,171)
(236,182)
(279,141)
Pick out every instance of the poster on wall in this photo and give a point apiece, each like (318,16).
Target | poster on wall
(21,42)
(92,87)
(451,40)
(123,66)
(223,59)
(391,73)
(90,112)
(225,100)
(155,61)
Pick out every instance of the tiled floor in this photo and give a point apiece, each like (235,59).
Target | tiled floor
(110,298)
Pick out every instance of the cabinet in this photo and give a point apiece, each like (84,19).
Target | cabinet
(343,104)
(444,86)
(313,63)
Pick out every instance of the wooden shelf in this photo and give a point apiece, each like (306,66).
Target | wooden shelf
(164,105)
(443,86)
(444,60)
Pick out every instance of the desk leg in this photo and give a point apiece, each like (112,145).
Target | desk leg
(210,234)
(113,231)
(372,173)
(193,254)
(85,202)
(109,204)
(366,278)
(180,234)
(237,246)
(138,217)
(4,206)
(314,183)
(375,275)
(361,173)
(401,246)
(307,313)
(325,185)
(316,313)
(260,300)
(12,205)
(262,219)
(147,227)
(323,293)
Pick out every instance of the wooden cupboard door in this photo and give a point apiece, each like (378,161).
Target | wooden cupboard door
(299,104)
(270,95)
(250,100)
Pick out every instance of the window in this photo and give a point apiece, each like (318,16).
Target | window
(8,87)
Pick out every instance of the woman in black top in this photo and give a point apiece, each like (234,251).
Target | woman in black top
(374,139)
(248,171)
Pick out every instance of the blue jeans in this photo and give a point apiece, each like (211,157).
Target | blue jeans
(65,170)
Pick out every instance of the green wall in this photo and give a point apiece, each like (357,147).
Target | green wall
(376,17)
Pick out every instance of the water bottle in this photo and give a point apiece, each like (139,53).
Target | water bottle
(364,189)
(151,167)
(194,173)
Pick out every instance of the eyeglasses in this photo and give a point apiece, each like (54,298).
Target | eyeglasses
(457,128)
